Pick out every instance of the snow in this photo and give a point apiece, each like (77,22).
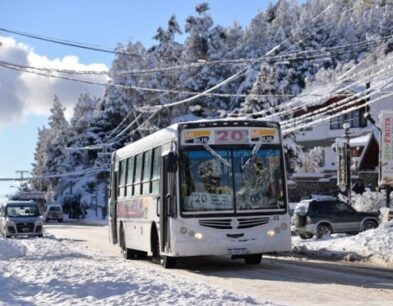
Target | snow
(373,246)
(10,249)
(360,140)
(64,272)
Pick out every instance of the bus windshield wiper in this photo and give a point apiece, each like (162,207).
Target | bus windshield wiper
(254,152)
(216,155)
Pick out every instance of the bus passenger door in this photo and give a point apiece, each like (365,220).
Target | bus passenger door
(113,207)
(167,197)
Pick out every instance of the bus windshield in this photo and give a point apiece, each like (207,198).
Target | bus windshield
(238,180)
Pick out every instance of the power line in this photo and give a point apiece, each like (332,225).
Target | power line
(69,43)
(363,95)
(156,112)
(137,88)
(297,102)
(290,130)
(321,54)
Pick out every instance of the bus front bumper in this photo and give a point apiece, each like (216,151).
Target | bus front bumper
(199,244)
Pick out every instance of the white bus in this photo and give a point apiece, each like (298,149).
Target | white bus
(214,187)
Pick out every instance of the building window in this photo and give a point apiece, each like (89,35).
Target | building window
(355,119)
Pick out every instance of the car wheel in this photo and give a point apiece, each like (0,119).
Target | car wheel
(369,224)
(60,220)
(253,259)
(305,236)
(324,230)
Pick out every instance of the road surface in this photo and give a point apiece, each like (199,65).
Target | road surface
(279,280)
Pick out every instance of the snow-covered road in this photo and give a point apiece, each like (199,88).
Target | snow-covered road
(284,281)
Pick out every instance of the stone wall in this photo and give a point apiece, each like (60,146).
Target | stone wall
(303,185)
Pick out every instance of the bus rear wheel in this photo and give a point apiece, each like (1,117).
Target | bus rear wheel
(127,253)
(253,259)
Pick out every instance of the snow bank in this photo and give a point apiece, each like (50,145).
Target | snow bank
(9,249)
(369,201)
(374,246)
(64,272)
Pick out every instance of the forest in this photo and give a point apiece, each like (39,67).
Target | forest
(214,72)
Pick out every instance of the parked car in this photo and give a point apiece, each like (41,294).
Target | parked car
(324,216)
(54,212)
(20,218)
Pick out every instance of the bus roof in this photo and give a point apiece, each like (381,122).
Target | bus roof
(154,140)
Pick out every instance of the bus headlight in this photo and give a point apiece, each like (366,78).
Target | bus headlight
(271,233)
(198,236)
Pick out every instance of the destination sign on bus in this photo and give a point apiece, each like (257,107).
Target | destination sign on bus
(229,136)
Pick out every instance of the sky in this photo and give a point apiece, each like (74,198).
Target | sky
(26,99)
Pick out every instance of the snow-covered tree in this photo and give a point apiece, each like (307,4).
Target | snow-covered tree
(40,160)
(310,161)
(58,141)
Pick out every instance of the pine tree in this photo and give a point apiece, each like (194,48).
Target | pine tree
(56,150)
(40,160)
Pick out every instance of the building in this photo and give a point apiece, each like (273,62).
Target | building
(364,136)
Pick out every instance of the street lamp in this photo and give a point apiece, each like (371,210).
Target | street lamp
(346,127)
(344,163)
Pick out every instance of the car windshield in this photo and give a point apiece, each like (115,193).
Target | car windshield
(54,208)
(18,210)
(231,180)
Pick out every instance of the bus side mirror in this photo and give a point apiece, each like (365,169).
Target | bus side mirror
(172,162)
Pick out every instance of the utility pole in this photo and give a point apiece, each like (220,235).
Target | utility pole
(21,172)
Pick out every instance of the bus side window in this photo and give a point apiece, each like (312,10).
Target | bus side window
(130,175)
(117,178)
(155,180)
(138,174)
(123,172)
(146,172)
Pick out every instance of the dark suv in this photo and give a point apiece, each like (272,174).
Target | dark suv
(322,217)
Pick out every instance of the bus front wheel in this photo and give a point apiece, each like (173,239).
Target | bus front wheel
(166,261)
(253,259)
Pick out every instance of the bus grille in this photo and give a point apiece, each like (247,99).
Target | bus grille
(233,224)
(216,223)
(251,222)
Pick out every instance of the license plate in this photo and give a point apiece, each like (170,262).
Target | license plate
(25,229)
(237,251)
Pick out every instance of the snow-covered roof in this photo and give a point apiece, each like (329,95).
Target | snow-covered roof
(318,93)
(360,140)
